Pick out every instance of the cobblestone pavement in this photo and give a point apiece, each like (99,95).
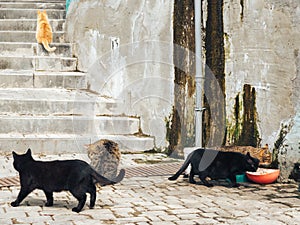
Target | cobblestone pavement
(155,200)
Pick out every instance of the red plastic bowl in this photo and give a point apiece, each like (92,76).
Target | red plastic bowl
(263,176)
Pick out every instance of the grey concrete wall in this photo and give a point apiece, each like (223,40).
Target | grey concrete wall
(126,48)
(262,49)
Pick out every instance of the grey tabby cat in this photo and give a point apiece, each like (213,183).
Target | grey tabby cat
(105,157)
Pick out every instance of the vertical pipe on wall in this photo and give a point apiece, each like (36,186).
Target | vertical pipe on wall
(199,78)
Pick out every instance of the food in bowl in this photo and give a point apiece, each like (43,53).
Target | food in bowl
(263,176)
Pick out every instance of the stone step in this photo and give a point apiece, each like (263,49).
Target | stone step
(28,101)
(62,49)
(33,49)
(27,36)
(38,63)
(68,124)
(67,80)
(29,24)
(15,13)
(16,79)
(39,79)
(33,5)
(16,48)
(59,144)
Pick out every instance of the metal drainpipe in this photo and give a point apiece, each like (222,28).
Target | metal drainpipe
(199,78)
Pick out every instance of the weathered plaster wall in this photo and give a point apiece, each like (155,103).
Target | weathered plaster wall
(262,49)
(126,48)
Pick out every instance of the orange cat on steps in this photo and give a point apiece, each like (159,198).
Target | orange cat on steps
(44,31)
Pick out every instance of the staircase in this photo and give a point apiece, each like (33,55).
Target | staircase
(44,102)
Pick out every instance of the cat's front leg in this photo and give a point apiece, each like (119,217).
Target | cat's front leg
(15,203)
(22,194)
(49,196)
(233,183)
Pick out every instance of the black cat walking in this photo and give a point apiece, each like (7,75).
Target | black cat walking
(75,176)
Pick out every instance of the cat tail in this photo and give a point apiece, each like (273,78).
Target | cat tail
(120,177)
(104,181)
(47,47)
(182,168)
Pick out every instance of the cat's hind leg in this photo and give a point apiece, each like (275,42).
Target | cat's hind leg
(49,196)
(80,195)
(92,191)
(203,177)
(191,177)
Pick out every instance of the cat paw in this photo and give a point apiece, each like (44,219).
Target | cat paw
(75,209)
(49,204)
(236,185)
(14,204)
(172,178)
(192,181)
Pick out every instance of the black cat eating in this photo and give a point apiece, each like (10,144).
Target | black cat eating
(75,176)
(217,165)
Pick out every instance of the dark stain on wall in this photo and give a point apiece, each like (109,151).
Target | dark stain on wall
(173,131)
(181,133)
(237,116)
(215,60)
(249,133)
(242,10)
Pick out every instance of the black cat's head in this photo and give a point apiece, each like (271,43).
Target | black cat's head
(251,163)
(20,160)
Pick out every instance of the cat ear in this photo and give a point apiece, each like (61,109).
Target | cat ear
(28,152)
(86,146)
(248,154)
(14,154)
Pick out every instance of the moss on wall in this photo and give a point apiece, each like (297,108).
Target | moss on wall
(249,133)
(244,131)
